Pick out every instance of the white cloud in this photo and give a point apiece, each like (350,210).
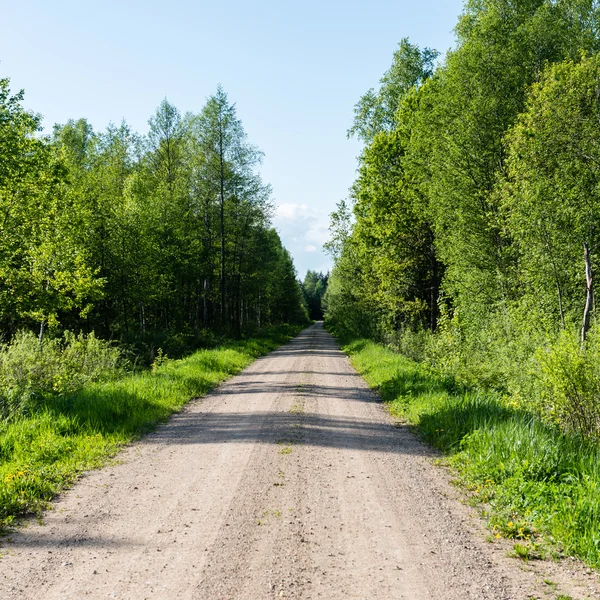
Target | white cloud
(290,211)
(319,235)
(303,230)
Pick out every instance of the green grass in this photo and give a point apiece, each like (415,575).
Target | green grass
(43,453)
(537,485)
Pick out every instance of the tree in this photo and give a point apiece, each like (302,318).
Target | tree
(340,227)
(124,234)
(551,195)
(230,161)
(375,112)
(314,287)
(394,264)
(286,295)
(45,271)
(21,169)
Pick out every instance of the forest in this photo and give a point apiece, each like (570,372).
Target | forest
(145,245)
(462,287)
(128,235)
(462,242)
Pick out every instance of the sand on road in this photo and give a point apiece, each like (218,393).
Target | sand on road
(289,481)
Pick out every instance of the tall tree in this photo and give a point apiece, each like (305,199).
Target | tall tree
(230,162)
(458,145)
(551,196)
(375,112)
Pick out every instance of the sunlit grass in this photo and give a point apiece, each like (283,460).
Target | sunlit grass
(42,453)
(539,486)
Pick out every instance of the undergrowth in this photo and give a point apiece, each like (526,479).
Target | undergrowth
(30,373)
(42,451)
(538,485)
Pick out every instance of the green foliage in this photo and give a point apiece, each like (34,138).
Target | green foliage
(314,288)
(568,381)
(540,486)
(551,194)
(30,374)
(477,95)
(162,236)
(473,202)
(288,305)
(347,307)
(375,111)
(43,268)
(339,229)
(393,238)
(80,429)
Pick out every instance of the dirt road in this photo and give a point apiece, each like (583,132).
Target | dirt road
(290,481)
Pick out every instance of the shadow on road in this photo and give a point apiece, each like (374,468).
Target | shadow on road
(318,429)
(273,427)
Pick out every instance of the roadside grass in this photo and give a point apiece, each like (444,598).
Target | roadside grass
(536,485)
(42,453)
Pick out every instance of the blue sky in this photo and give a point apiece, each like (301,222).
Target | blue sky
(294,70)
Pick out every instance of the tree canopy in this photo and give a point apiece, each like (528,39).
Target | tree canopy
(135,236)
(477,188)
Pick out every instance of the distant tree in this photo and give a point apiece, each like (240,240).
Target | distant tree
(286,295)
(314,287)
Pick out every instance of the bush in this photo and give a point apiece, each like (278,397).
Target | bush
(569,383)
(413,343)
(28,373)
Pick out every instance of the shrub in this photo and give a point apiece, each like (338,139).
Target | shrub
(413,343)
(28,373)
(569,383)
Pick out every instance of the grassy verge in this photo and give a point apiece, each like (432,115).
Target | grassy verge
(537,486)
(42,453)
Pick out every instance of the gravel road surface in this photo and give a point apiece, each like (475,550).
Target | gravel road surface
(289,481)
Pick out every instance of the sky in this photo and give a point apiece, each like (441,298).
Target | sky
(294,70)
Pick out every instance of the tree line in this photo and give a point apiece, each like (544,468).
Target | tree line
(134,236)
(462,241)
(314,288)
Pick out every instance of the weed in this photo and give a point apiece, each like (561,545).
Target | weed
(160,360)
(525,552)
(297,408)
